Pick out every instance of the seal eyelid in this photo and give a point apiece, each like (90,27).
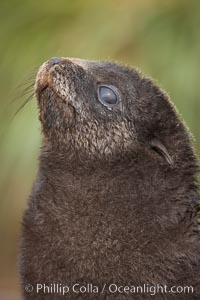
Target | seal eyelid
(108,95)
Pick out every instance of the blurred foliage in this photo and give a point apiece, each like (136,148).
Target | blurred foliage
(162,38)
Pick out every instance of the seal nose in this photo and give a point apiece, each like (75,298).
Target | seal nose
(55,60)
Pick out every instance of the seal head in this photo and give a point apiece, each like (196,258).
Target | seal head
(106,110)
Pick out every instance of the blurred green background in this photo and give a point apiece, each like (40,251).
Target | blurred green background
(162,38)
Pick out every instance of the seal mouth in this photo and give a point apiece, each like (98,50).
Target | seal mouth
(50,76)
(54,96)
(43,80)
(51,80)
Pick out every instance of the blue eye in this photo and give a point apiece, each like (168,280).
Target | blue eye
(108,96)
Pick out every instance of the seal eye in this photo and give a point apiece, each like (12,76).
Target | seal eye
(107,96)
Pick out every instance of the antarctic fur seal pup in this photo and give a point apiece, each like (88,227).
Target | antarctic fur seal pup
(115,202)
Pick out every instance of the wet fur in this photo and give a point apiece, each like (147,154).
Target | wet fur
(107,207)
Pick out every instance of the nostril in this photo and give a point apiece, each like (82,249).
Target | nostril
(55,60)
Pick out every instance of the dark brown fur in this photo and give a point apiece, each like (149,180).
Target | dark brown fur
(115,200)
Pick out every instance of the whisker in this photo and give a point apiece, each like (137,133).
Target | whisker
(24,83)
(30,77)
(23,104)
(30,87)
(24,92)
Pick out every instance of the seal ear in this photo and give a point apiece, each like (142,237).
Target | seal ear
(158,146)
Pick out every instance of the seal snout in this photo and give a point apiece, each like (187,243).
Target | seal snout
(44,77)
